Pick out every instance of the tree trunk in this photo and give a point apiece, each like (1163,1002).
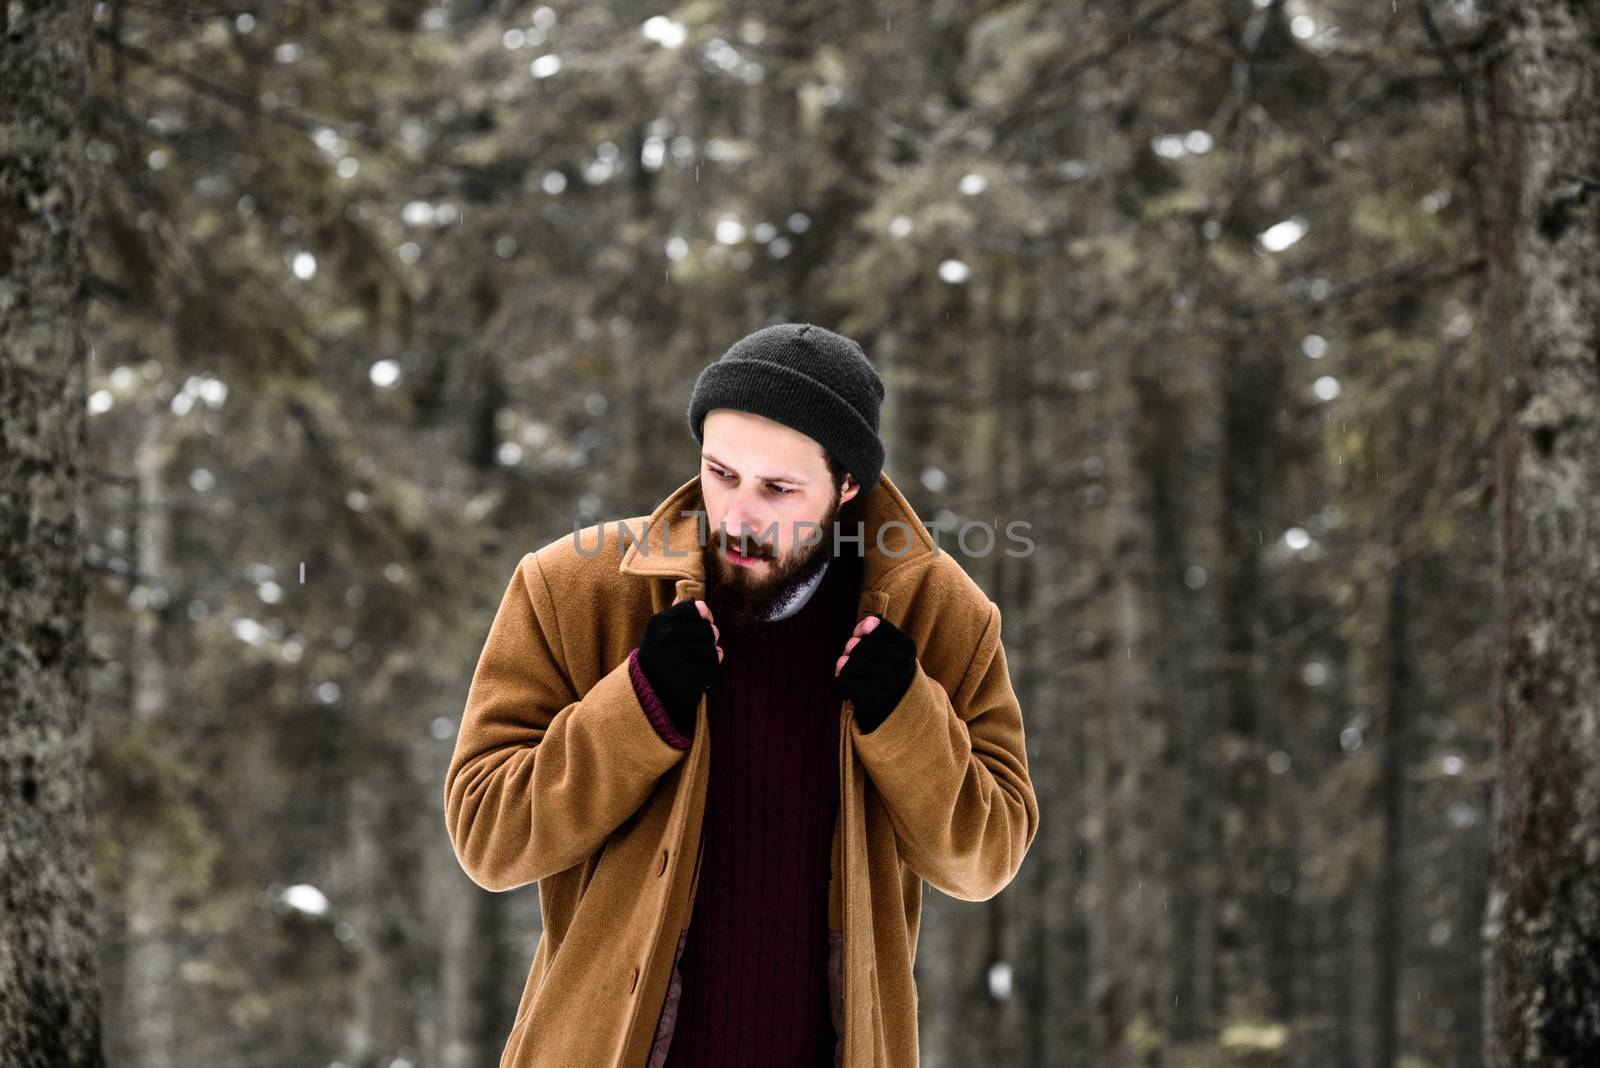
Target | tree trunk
(1389,927)
(1542,923)
(49,993)
(1236,991)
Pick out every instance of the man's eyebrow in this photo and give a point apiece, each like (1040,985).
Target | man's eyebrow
(765,478)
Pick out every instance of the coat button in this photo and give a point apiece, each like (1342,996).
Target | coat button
(661,868)
(633,980)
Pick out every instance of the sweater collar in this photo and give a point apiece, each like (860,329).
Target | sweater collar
(669,545)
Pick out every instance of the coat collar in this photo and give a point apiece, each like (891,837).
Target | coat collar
(669,546)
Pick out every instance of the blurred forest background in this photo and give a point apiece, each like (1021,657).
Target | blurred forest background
(384,295)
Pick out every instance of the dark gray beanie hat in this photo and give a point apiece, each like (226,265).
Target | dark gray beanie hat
(805,377)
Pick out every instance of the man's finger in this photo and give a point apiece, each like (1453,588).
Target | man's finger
(866,625)
(705,614)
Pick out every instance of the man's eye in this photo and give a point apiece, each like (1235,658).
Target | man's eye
(779,490)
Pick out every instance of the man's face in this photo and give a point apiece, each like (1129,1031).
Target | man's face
(771,484)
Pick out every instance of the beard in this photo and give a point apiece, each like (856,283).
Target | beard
(737,596)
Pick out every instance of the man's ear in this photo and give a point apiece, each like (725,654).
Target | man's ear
(848,488)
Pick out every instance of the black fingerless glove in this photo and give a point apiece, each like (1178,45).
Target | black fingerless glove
(678,655)
(878,673)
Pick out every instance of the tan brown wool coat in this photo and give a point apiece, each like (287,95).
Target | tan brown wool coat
(559,777)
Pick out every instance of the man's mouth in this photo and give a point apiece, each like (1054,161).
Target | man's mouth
(735,556)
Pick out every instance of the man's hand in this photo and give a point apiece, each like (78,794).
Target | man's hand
(875,670)
(679,655)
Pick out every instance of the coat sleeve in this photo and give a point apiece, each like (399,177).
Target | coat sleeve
(541,776)
(952,769)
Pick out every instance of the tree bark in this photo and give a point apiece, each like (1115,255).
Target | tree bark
(49,995)
(1542,922)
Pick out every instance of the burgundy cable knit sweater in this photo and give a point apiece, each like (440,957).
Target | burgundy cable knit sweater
(755,968)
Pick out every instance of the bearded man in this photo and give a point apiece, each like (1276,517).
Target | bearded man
(731,767)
